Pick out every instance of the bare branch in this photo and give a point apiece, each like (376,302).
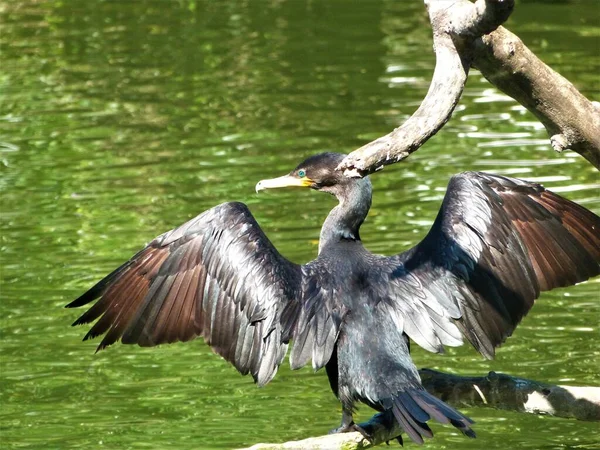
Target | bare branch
(346,441)
(446,87)
(459,28)
(479,18)
(571,120)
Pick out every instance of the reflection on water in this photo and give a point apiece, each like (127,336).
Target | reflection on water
(120,120)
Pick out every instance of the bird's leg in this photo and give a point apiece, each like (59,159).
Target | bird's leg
(348,425)
(347,422)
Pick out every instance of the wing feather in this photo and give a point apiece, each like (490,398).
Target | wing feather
(496,243)
(217,276)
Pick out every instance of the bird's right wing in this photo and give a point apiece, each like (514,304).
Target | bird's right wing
(496,243)
(217,276)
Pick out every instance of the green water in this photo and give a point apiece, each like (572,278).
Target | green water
(120,120)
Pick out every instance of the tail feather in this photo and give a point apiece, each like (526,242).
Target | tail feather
(416,430)
(414,407)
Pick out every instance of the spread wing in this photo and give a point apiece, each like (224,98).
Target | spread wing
(496,243)
(319,317)
(216,276)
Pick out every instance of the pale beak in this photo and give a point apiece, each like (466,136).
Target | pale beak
(282,182)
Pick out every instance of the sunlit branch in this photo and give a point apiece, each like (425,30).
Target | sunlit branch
(469,34)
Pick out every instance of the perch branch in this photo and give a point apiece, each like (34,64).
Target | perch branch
(444,92)
(469,34)
(494,390)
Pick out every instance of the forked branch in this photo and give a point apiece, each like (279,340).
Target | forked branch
(468,35)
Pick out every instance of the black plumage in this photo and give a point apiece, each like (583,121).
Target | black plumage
(495,244)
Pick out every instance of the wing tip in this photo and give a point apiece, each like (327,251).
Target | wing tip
(84,299)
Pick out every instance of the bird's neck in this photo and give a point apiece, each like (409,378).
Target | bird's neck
(344,221)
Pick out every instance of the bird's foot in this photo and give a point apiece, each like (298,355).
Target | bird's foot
(351,427)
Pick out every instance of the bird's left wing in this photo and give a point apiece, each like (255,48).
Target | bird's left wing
(217,276)
(495,244)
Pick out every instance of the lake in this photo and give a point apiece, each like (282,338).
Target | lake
(121,120)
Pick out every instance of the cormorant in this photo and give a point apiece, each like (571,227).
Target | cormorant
(495,244)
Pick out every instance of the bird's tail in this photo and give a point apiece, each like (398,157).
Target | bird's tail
(414,407)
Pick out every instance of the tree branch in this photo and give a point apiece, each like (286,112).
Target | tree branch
(444,92)
(571,120)
(494,390)
(479,18)
(460,40)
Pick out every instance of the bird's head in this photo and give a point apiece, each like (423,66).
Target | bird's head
(317,172)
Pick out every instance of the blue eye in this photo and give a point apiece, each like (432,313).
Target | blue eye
(301,173)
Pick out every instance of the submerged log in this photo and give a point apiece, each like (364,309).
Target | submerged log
(511,393)
(494,390)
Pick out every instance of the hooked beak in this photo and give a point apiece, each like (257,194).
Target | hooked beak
(282,182)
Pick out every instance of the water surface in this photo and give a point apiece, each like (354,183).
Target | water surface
(120,120)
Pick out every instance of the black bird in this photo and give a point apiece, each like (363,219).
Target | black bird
(495,244)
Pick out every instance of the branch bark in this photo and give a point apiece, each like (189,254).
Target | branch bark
(468,35)
(493,390)
(447,84)
(571,120)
